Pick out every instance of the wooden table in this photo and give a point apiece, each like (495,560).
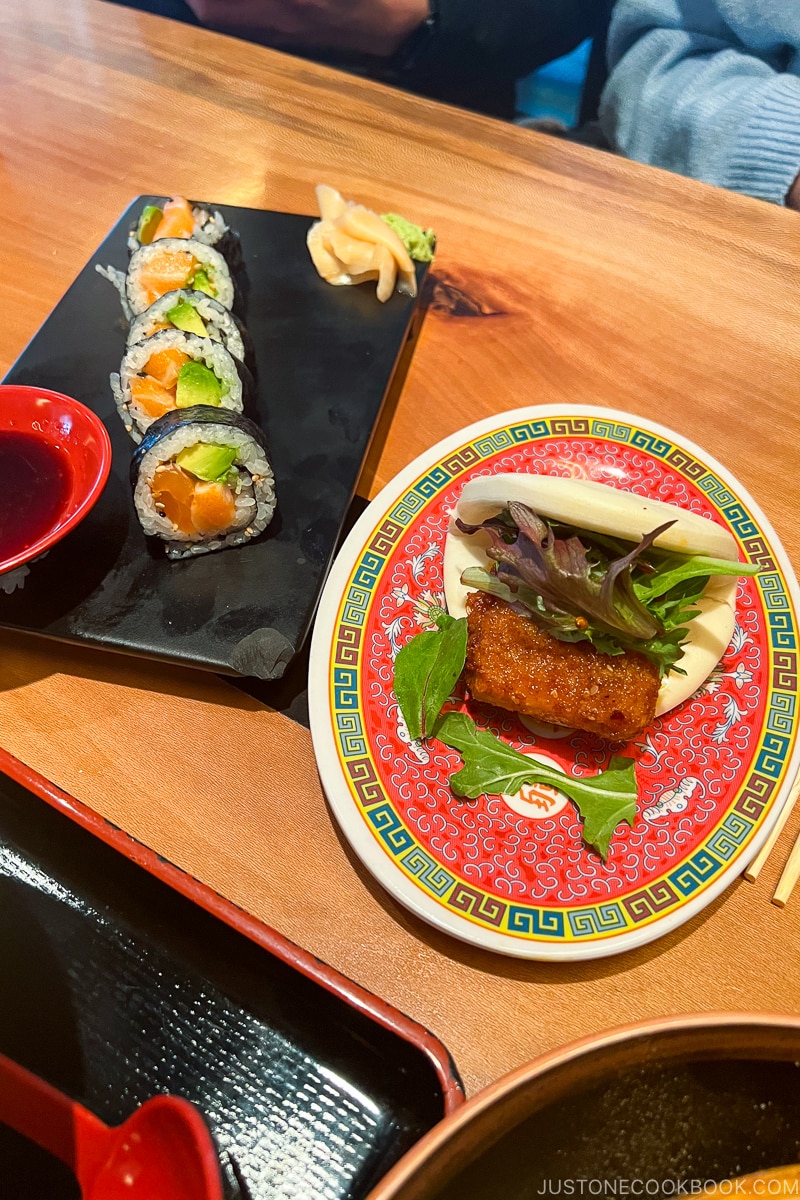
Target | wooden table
(563,274)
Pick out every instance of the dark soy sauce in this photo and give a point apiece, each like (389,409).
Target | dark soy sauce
(35,483)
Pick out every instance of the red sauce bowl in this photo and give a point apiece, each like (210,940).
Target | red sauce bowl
(58,429)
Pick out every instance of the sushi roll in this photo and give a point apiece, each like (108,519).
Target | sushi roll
(168,264)
(194,312)
(177,218)
(177,370)
(202,481)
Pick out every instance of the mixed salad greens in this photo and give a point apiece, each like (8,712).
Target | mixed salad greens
(581,586)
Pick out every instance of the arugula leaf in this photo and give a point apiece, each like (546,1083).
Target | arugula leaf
(490,766)
(426,670)
(612,801)
(674,569)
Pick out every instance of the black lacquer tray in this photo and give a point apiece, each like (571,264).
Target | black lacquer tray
(123,977)
(325,357)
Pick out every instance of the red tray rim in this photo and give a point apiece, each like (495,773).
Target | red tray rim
(366,1002)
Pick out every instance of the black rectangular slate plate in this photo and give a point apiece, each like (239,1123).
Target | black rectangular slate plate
(325,357)
(123,977)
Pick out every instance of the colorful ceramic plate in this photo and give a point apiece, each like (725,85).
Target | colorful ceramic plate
(712,774)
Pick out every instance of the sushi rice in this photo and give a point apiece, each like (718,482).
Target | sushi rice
(212,354)
(254,489)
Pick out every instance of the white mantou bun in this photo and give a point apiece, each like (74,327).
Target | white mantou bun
(600,508)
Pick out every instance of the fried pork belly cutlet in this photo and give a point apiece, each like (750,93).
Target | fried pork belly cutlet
(513,664)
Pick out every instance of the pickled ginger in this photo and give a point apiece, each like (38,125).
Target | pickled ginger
(351,244)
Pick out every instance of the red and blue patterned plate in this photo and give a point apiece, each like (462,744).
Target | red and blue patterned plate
(512,874)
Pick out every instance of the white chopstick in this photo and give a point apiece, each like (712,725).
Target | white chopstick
(755,866)
(790,875)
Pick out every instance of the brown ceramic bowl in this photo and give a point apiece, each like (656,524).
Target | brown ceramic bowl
(643,1110)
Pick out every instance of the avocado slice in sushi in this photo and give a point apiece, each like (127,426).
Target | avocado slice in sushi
(201,282)
(209,462)
(149,222)
(197,385)
(185,316)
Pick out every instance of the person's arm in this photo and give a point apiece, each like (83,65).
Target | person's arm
(475,47)
(685,93)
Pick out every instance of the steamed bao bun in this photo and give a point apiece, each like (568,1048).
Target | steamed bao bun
(599,508)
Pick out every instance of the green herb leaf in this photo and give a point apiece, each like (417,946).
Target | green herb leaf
(426,670)
(563,573)
(674,569)
(608,799)
(490,766)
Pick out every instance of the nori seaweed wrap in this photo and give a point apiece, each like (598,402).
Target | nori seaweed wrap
(202,481)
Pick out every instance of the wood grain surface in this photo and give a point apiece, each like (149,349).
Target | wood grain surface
(563,275)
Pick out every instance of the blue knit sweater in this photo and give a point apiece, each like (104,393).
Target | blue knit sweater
(709,88)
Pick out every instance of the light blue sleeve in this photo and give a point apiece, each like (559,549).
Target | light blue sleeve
(687,93)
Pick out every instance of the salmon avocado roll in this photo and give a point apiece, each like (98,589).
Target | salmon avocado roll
(177,370)
(202,481)
(168,264)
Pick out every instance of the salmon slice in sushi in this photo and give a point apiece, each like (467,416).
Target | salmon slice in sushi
(202,481)
(175,370)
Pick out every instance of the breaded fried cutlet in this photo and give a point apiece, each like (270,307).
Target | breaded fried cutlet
(512,663)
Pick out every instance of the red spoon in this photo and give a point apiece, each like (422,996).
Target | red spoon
(163,1151)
